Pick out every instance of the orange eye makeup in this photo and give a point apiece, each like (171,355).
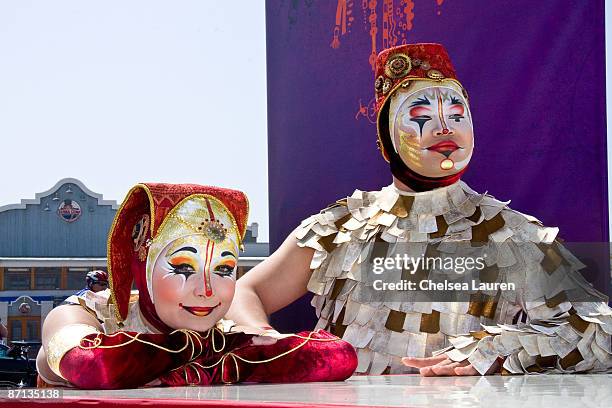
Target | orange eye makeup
(183,260)
(230,263)
(226,266)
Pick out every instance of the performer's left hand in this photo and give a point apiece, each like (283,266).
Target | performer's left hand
(263,336)
(268,337)
(443,366)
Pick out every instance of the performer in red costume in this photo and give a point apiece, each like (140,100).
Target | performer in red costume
(179,244)
(554,321)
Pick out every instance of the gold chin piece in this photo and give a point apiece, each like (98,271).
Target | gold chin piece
(64,340)
(398,66)
(447,164)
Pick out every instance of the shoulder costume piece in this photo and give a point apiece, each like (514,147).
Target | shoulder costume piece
(137,346)
(448,217)
(99,305)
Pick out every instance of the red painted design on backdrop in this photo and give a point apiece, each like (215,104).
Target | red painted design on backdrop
(397,18)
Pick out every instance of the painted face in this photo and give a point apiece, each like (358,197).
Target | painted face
(431,129)
(193,274)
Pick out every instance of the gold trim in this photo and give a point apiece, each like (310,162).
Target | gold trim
(64,340)
(113,299)
(246,220)
(403,83)
(236,357)
(171,213)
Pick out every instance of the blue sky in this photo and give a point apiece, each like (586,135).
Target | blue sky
(118,92)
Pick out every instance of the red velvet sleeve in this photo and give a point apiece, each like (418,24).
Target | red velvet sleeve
(121,361)
(307,357)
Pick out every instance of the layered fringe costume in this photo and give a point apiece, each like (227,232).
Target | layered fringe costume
(553,330)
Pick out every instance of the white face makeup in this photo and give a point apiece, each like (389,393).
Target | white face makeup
(192,264)
(194,282)
(431,129)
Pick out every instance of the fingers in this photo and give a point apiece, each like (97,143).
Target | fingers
(276,335)
(155,383)
(263,340)
(423,362)
(467,370)
(444,370)
(440,366)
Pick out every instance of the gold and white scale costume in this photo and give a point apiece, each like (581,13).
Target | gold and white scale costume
(99,305)
(557,335)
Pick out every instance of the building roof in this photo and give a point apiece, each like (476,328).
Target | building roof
(70,221)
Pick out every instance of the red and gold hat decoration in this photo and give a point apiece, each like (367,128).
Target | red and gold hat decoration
(397,66)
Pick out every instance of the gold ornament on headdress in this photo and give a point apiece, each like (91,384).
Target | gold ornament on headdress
(398,65)
(139,236)
(212,229)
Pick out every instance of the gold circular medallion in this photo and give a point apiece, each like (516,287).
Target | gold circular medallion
(435,74)
(399,65)
(214,230)
(447,164)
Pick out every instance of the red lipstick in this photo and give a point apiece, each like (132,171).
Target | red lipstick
(199,311)
(445,147)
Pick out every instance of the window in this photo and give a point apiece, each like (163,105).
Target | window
(24,328)
(32,329)
(14,328)
(17,279)
(75,278)
(47,278)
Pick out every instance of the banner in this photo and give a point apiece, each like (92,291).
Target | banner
(535,75)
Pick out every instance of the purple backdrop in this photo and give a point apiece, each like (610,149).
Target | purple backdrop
(535,73)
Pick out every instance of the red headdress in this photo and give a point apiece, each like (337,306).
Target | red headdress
(395,68)
(146,208)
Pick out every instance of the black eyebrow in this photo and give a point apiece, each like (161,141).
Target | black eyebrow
(226,253)
(456,101)
(420,101)
(190,249)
